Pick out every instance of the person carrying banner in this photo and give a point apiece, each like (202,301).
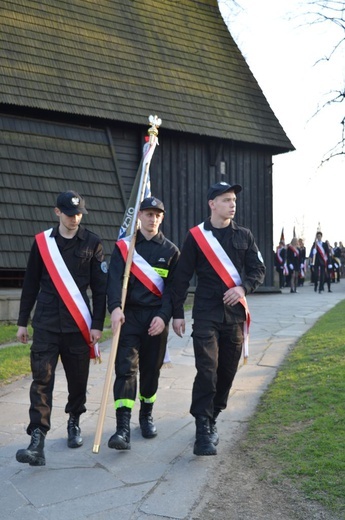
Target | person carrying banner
(64,262)
(228,266)
(144,321)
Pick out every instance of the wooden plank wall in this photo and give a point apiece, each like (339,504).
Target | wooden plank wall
(184,167)
(41,158)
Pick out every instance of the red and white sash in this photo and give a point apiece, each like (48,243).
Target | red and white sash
(321,252)
(280,259)
(66,286)
(225,269)
(141,269)
(294,250)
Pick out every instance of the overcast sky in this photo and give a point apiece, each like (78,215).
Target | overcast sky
(282,49)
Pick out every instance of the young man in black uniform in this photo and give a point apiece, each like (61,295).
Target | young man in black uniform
(228,265)
(64,262)
(319,254)
(145,319)
(293,263)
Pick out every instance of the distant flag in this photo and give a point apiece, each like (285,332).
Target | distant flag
(294,232)
(127,222)
(282,237)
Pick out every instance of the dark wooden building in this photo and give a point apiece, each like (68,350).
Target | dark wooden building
(78,80)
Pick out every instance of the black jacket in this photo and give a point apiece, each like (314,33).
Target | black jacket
(315,256)
(159,252)
(238,242)
(282,252)
(83,255)
(292,259)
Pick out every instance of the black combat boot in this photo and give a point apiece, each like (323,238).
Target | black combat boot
(203,444)
(121,438)
(214,437)
(34,454)
(74,438)
(148,428)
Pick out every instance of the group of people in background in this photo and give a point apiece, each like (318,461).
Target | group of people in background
(324,262)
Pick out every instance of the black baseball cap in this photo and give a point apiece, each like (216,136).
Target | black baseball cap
(71,203)
(222,187)
(152,203)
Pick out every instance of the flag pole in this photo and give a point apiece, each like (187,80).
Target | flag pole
(155,123)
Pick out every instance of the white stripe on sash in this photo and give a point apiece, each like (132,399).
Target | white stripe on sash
(66,277)
(145,267)
(225,269)
(221,254)
(64,283)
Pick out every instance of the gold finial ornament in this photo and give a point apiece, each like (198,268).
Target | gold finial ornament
(155,123)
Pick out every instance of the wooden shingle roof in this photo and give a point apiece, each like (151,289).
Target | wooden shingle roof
(124,59)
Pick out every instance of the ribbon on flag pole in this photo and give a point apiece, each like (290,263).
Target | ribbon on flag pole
(129,227)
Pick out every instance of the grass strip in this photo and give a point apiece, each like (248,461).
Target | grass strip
(15,359)
(8,333)
(300,422)
(14,363)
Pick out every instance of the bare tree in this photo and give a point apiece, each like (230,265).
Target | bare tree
(331,12)
(313,12)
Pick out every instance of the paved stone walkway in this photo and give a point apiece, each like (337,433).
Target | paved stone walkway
(158,478)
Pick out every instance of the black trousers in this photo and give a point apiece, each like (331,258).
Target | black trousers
(75,357)
(217,350)
(138,351)
(319,277)
(280,271)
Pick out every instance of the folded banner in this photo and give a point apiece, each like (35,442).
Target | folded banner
(128,219)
